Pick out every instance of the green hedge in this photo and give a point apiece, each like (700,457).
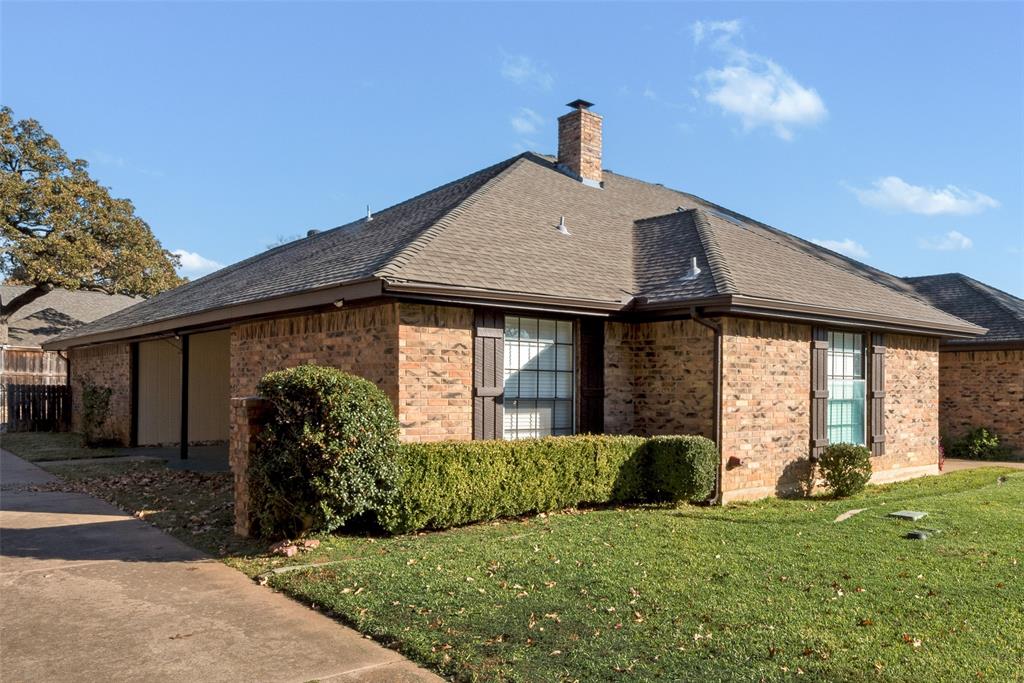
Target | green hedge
(326,455)
(452,483)
(682,467)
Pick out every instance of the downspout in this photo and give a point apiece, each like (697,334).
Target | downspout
(716,426)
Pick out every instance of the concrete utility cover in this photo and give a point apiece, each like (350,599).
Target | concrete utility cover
(912,515)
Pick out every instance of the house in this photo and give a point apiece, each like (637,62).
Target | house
(22,358)
(548,295)
(981,380)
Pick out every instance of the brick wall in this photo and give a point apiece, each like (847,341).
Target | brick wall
(248,414)
(421,356)
(361,340)
(766,370)
(659,378)
(579,143)
(108,365)
(983,389)
(435,372)
(911,409)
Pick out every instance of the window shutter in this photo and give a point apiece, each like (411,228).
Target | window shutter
(876,437)
(488,374)
(819,392)
(591,376)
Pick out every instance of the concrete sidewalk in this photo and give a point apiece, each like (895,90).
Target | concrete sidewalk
(955,465)
(89,593)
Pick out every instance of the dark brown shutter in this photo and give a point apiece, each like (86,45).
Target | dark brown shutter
(488,373)
(591,376)
(819,391)
(877,408)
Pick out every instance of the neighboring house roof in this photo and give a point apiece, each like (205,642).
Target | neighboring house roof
(1001,313)
(492,236)
(57,311)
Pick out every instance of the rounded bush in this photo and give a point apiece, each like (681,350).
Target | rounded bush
(846,468)
(682,467)
(978,444)
(326,453)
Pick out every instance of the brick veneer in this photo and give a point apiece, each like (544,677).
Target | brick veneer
(659,378)
(419,355)
(983,389)
(911,409)
(248,415)
(108,365)
(579,143)
(766,407)
(361,340)
(435,372)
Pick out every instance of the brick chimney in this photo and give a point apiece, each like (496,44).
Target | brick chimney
(579,143)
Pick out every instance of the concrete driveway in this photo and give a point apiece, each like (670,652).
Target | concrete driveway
(88,593)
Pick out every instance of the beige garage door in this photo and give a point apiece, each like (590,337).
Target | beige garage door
(209,397)
(159,392)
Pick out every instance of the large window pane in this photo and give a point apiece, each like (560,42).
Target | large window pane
(847,388)
(539,377)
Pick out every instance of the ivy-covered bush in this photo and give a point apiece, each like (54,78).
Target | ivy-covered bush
(682,468)
(95,411)
(450,483)
(978,444)
(326,454)
(846,468)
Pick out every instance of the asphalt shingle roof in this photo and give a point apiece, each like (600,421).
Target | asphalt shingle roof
(496,230)
(1001,313)
(56,312)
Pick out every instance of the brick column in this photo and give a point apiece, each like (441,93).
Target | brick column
(247,416)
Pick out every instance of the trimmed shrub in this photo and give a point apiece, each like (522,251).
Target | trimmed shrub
(95,411)
(978,444)
(846,468)
(451,483)
(682,467)
(326,455)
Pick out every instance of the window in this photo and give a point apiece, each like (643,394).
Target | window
(539,377)
(846,388)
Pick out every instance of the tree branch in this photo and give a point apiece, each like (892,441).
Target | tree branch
(9,308)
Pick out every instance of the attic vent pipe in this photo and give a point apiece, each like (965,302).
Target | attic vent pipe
(562,227)
(693,271)
(369,214)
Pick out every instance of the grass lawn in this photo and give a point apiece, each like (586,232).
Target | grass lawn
(43,446)
(765,591)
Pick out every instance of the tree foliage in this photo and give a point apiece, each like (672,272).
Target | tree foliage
(61,228)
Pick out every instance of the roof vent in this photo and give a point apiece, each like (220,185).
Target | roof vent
(693,271)
(369,214)
(562,227)
(310,233)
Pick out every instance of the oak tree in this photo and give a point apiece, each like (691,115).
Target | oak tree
(61,228)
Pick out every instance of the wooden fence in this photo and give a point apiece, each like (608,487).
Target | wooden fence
(35,407)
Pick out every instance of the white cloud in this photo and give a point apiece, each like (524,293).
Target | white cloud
(895,194)
(523,70)
(526,121)
(951,241)
(195,265)
(754,88)
(723,30)
(846,246)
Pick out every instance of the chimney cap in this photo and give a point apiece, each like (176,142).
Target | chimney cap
(580,104)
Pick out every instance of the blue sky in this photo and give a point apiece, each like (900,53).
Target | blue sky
(894,132)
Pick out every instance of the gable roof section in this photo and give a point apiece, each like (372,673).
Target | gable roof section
(492,236)
(57,311)
(1001,313)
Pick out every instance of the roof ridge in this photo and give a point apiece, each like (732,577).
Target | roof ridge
(720,271)
(988,290)
(415,246)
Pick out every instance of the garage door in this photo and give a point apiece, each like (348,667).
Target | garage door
(209,399)
(159,398)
